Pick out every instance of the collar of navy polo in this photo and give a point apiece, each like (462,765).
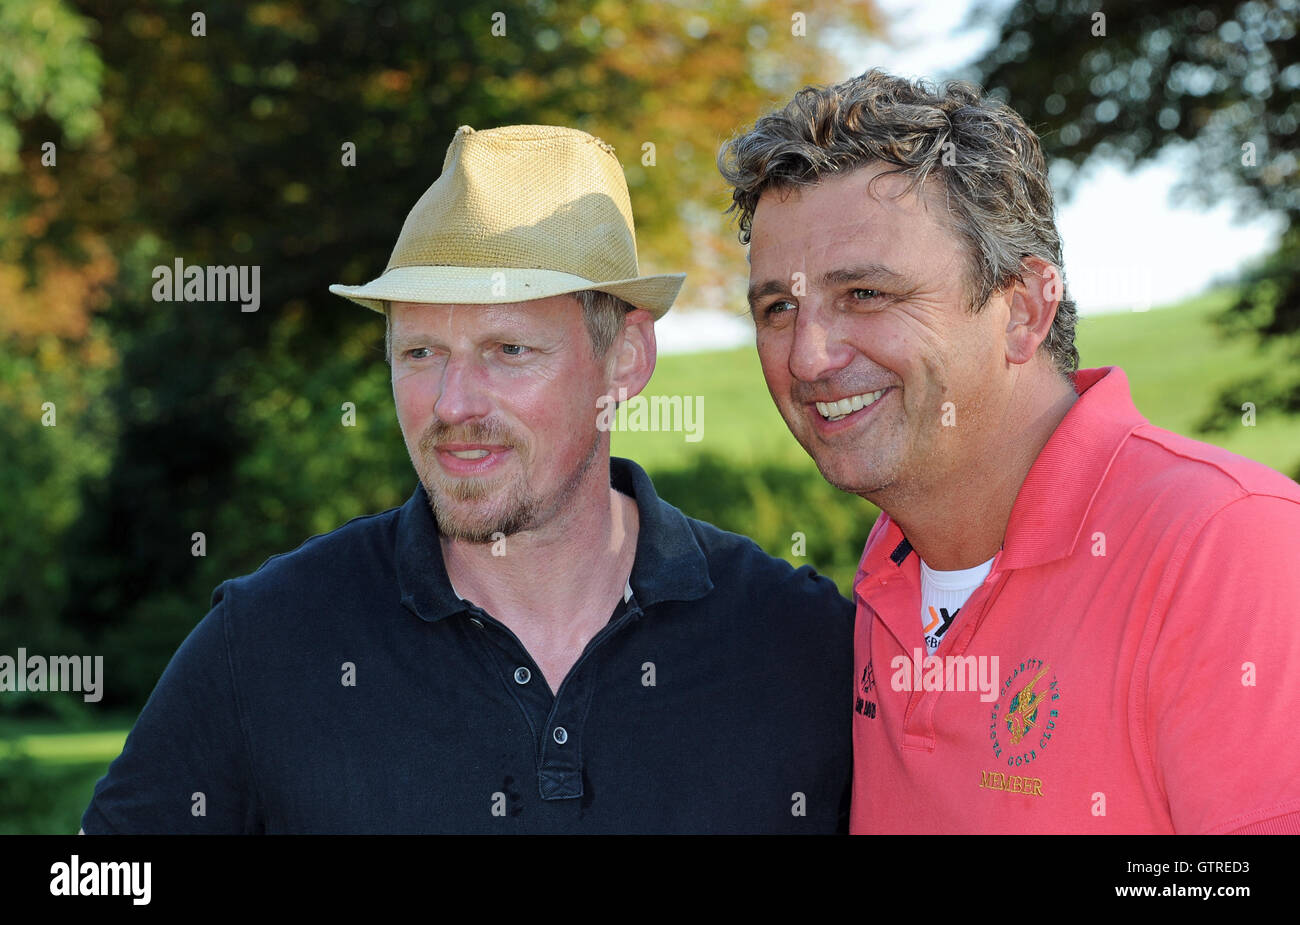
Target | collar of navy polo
(669,563)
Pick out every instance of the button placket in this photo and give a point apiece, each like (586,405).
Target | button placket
(918,721)
(561,717)
(507,659)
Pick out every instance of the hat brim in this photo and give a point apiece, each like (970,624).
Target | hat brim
(497,285)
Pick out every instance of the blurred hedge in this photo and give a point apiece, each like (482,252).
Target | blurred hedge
(771,502)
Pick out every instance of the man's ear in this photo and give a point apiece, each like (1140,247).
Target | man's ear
(632,355)
(1031,304)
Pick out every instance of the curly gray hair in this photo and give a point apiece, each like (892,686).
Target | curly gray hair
(989,161)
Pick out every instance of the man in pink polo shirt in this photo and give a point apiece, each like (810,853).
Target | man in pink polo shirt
(1069,620)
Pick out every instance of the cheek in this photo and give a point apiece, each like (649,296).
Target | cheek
(582,406)
(774,356)
(414,404)
(548,414)
(912,351)
(883,342)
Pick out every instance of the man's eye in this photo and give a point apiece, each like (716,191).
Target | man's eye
(867,293)
(418,353)
(777,308)
(513,350)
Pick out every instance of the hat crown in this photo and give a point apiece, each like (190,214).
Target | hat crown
(524,196)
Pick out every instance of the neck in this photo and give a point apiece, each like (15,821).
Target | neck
(576,563)
(960,519)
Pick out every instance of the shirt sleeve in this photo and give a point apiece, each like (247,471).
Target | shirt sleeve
(183,769)
(1224,678)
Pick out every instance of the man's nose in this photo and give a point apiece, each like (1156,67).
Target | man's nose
(463,395)
(816,350)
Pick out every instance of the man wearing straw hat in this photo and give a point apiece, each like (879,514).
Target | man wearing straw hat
(534,642)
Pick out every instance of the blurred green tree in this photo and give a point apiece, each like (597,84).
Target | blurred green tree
(221,140)
(1128,80)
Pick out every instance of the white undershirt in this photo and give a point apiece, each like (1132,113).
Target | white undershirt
(942,595)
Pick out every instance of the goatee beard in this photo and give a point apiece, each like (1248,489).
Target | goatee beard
(521,510)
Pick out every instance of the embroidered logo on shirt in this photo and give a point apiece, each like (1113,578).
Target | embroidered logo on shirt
(1011,783)
(1025,717)
(868,681)
(940,619)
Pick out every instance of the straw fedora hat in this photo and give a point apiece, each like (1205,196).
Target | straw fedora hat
(519,213)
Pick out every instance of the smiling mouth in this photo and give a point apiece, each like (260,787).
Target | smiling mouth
(835,410)
(469,459)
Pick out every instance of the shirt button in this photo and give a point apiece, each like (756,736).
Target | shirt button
(522,675)
(561,735)
(476,621)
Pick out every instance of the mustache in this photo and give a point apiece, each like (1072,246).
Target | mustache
(488,430)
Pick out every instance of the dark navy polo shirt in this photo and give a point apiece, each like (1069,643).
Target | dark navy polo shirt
(345,688)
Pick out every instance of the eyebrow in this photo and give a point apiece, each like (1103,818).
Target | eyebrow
(829,278)
(406,338)
(863,271)
(763,290)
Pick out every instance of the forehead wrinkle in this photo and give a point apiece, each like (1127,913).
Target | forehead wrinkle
(861,271)
(490,319)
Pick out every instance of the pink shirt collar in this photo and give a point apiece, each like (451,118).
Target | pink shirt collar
(1052,505)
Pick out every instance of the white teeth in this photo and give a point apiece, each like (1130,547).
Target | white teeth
(468,454)
(834,410)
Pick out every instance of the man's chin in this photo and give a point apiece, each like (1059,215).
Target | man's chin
(858,480)
(479,520)
(478,534)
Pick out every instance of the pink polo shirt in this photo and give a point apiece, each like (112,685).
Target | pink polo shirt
(1131,663)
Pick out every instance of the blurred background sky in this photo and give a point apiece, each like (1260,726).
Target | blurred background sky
(1116,221)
